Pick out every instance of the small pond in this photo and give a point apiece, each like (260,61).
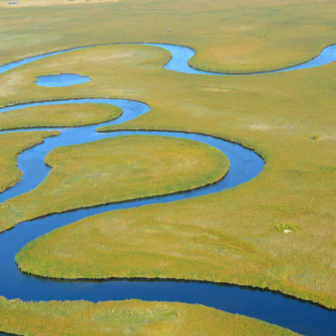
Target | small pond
(61,80)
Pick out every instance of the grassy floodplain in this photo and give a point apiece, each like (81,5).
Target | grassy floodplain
(43,3)
(277,115)
(263,112)
(12,144)
(65,115)
(129,317)
(120,169)
(229,36)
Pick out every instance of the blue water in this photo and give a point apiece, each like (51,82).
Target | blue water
(61,80)
(303,317)
(181,56)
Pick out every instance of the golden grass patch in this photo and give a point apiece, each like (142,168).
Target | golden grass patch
(230,36)
(120,169)
(11,145)
(44,3)
(275,114)
(65,115)
(119,245)
(131,317)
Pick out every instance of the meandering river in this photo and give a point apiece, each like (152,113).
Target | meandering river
(302,317)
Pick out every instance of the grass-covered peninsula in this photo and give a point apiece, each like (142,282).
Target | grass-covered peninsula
(65,115)
(12,144)
(44,3)
(120,169)
(266,113)
(129,317)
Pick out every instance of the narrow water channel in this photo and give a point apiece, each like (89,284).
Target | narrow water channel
(61,80)
(302,317)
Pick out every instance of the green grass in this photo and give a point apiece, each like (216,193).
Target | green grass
(120,169)
(225,34)
(119,245)
(287,227)
(130,317)
(11,145)
(229,236)
(275,114)
(43,3)
(66,115)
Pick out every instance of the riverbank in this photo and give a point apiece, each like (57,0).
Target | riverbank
(133,317)
(256,111)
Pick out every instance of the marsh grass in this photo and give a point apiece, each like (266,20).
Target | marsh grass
(120,169)
(44,3)
(66,115)
(129,317)
(275,115)
(117,246)
(287,227)
(224,34)
(11,145)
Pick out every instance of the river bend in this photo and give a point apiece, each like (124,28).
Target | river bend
(299,316)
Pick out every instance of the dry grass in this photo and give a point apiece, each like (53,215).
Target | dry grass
(130,317)
(11,145)
(66,115)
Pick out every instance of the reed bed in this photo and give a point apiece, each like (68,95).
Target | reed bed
(119,169)
(229,36)
(288,118)
(65,115)
(129,317)
(276,115)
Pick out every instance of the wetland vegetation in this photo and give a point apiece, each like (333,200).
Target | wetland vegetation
(235,236)
(129,317)
(65,115)
(226,35)
(256,111)
(119,169)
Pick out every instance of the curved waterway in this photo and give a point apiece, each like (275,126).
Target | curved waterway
(181,55)
(302,317)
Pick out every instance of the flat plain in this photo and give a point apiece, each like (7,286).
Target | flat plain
(65,115)
(232,236)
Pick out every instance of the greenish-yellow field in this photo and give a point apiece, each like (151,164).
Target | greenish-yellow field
(12,144)
(119,169)
(232,236)
(66,115)
(229,36)
(275,114)
(44,3)
(129,317)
